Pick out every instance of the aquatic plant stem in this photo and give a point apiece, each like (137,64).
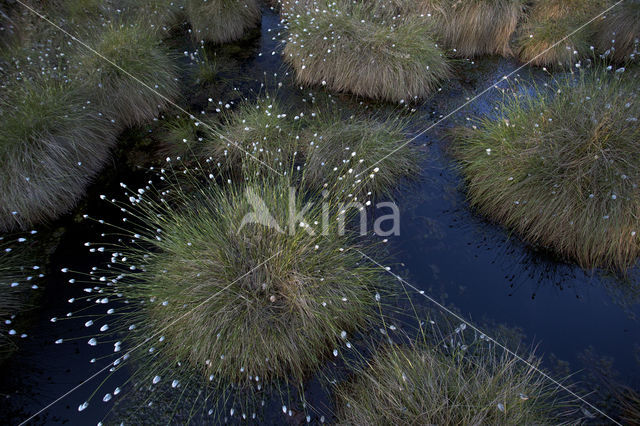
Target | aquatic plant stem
(70,391)
(169,101)
(489,338)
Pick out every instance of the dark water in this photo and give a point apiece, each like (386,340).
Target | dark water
(443,248)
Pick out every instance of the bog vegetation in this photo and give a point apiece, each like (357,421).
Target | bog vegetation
(561,168)
(233,313)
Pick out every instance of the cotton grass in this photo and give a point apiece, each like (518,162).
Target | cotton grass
(52,142)
(222,21)
(353,47)
(423,383)
(476,27)
(365,155)
(257,135)
(136,51)
(551,21)
(562,169)
(17,278)
(229,305)
(369,156)
(618,36)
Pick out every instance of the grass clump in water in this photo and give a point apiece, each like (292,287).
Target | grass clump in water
(136,50)
(562,169)
(549,22)
(360,154)
(618,35)
(476,27)
(240,303)
(422,383)
(222,21)
(354,47)
(52,141)
(263,133)
(371,156)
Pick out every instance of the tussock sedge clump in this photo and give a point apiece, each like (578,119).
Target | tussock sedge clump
(421,383)
(162,15)
(17,278)
(261,131)
(323,147)
(137,51)
(371,155)
(562,168)
(222,21)
(229,287)
(549,22)
(618,36)
(351,46)
(178,136)
(476,27)
(52,142)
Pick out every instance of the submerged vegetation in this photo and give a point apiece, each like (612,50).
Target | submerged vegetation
(221,21)
(347,46)
(422,383)
(563,169)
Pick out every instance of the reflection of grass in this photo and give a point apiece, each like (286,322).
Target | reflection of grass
(135,48)
(562,169)
(549,22)
(353,47)
(51,143)
(221,21)
(452,381)
(619,33)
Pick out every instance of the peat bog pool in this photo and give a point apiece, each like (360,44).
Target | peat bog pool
(577,319)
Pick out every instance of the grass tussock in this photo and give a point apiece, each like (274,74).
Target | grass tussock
(477,27)
(359,154)
(422,384)
(370,156)
(52,141)
(262,133)
(618,36)
(562,169)
(549,22)
(222,21)
(162,15)
(241,304)
(353,47)
(136,50)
